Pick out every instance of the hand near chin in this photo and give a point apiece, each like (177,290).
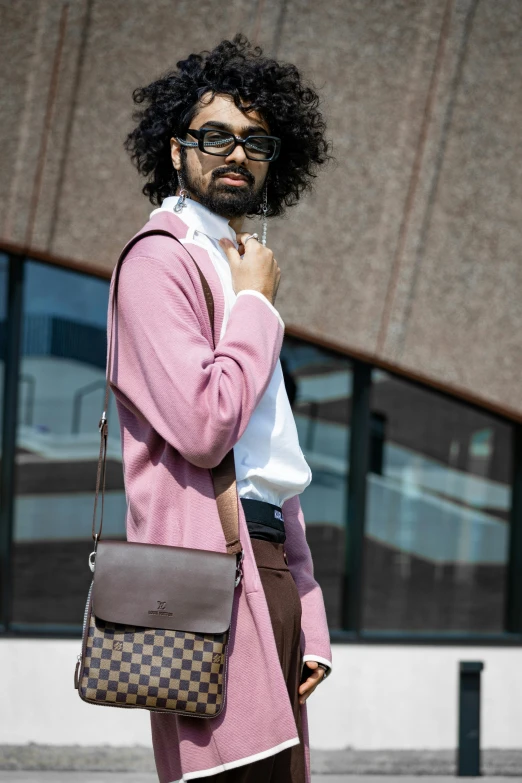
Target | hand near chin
(253,266)
(241,241)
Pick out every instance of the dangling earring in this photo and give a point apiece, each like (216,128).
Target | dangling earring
(264,209)
(183,193)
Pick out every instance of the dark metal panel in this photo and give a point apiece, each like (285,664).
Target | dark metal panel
(10,405)
(432,638)
(514,570)
(50,631)
(468,752)
(359,456)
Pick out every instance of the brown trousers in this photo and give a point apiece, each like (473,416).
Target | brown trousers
(284,606)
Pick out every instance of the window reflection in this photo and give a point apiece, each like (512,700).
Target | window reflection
(320,389)
(61,387)
(439,491)
(438,507)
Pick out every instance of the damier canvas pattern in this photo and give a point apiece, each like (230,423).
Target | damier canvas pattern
(155,669)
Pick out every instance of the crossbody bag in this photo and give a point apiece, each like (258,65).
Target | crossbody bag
(157,620)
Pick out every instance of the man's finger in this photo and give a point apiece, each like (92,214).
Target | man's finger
(314,678)
(245,243)
(242,237)
(305,694)
(308,687)
(232,254)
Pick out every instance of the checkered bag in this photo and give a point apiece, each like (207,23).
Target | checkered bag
(167,655)
(157,620)
(153,668)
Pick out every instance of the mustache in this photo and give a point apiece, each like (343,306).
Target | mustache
(222,172)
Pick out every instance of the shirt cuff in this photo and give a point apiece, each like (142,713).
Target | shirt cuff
(318,659)
(264,299)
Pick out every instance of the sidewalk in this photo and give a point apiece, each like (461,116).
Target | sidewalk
(106,764)
(145,777)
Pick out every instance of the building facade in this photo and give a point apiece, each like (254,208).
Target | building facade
(400,291)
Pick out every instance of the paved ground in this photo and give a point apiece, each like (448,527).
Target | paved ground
(104,764)
(131,762)
(144,777)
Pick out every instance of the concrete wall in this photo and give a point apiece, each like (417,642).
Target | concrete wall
(409,250)
(378,697)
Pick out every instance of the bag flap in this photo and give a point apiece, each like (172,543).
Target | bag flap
(163,587)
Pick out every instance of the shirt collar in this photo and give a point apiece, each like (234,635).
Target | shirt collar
(200,218)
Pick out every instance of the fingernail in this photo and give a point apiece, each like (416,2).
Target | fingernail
(226,242)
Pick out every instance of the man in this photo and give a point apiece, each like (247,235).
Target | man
(228,134)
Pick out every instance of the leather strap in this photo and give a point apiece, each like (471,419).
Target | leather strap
(223,475)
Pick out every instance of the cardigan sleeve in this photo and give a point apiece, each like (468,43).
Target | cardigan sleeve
(316,637)
(199,399)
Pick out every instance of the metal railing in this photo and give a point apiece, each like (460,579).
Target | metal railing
(78,402)
(30,380)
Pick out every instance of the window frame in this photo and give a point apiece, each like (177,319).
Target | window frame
(14,307)
(357,490)
(353,631)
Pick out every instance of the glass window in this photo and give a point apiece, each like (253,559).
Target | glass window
(62,381)
(319,387)
(437,520)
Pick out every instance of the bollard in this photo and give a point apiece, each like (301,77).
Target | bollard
(468,754)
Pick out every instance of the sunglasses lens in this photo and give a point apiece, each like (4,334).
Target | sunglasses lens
(260,148)
(217,142)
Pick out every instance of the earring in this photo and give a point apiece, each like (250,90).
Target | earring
(264,209)
(183,193)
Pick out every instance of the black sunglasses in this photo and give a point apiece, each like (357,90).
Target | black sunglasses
(219,142)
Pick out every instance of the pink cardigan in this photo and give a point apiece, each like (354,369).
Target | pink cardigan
(182,405)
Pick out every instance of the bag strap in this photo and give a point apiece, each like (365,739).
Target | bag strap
(223,475)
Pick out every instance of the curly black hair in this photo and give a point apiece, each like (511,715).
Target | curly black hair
(235,68)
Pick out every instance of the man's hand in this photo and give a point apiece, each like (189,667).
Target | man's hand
(257,270)
(310,684)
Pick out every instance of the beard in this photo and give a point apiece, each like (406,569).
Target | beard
(228,201)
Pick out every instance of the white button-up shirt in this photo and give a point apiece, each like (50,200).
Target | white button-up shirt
(270,464)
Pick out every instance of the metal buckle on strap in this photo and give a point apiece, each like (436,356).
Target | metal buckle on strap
(239,569)
(92,556)
(103,422)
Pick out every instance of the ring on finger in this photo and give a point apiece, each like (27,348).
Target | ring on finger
(250,236)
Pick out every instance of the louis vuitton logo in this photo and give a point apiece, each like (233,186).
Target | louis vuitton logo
(161,610)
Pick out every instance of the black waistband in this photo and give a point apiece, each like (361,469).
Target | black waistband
(264,520)
(260,511)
